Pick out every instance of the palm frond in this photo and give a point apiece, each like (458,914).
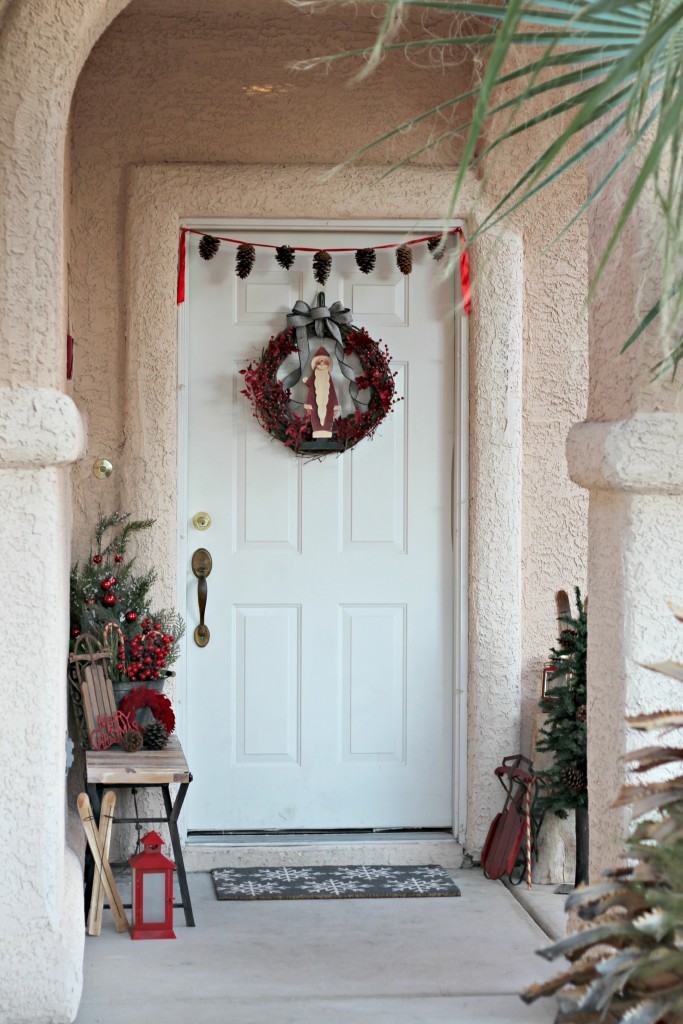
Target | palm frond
(619,60)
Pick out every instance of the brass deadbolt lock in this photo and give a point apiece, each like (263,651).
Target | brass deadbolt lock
(201,521)
(103,469)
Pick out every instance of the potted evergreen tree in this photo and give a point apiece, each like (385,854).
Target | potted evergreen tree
(111,601)
(564,786)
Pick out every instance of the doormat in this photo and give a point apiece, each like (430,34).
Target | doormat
(351,882)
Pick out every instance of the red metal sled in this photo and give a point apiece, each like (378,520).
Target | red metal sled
(503,853)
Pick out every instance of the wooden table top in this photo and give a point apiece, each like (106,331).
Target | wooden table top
(114,767)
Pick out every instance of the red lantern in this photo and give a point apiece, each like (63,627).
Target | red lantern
(152,886)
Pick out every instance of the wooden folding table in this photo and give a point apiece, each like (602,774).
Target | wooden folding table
(160,769)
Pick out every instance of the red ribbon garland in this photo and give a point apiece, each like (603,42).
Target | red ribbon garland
(182,257)
(464,258)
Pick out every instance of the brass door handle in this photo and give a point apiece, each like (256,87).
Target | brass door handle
(202,565)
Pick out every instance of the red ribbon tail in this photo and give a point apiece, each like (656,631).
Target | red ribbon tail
(465,274)
(182,257)
(69,356)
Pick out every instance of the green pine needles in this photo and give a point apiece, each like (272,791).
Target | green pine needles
(564,785)
(112,602)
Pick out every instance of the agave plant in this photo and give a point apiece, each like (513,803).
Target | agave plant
(599,70)
(628,967)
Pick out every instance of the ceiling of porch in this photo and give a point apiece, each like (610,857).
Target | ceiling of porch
(236,58)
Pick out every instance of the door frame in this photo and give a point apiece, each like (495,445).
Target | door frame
(459,476)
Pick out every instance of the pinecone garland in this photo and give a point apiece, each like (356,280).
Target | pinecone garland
(404,259)
(131,741)
(285,256)
(433,244)
(322,265)
(581,713)
(573,778)
(244,260)
(365,260)
(155,736)
(208,246)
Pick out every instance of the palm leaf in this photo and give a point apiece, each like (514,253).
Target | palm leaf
(631,51)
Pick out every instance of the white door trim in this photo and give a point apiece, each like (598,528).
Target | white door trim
(460,485)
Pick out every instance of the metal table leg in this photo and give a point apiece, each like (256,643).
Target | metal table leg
(172,812)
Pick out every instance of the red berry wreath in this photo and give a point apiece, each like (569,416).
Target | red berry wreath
(272,400)
(158,703)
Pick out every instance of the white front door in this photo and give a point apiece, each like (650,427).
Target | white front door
(323,699)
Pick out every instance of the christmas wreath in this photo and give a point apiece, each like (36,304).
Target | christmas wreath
(158,703)
(315,426)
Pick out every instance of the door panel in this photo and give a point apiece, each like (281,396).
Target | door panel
(323,699)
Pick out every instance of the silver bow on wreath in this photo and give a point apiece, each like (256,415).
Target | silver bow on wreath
(324,319)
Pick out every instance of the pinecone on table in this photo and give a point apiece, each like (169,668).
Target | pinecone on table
(581,713)
(322,265)
(208,246)
(433,244)
(155,736)
(365,260)
(573,778)
(404,259)
(131,741)
(244,260)
(285,256)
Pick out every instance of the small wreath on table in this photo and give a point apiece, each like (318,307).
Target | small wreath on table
(158,703)
(272,400)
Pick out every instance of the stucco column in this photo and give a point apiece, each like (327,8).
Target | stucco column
(495,590)
(42,896)
(629,455)
(43,46)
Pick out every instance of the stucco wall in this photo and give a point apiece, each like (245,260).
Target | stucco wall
(167,88)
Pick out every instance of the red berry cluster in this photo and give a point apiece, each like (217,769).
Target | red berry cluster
(148,652)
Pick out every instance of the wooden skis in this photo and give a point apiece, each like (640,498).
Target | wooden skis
(98,841)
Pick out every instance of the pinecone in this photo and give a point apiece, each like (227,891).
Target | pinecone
(322,265)
(581,713)
(244,261)
(155,736)
(285,256)
(573,778)
(208,246)
(433,244)
(131,741)
(365,259)
(404,259)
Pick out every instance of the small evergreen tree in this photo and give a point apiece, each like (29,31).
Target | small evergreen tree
(111,602)
(564,786)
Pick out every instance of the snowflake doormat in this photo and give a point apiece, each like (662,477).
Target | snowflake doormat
(330,883)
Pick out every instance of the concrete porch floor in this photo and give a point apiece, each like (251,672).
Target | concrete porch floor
(383,961)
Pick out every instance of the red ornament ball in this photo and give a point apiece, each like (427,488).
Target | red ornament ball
(75,631)
(157,625)
(97,559)
(131,616)
(106,584)
(113,580)
(109,600)
(119,667)
(118,558)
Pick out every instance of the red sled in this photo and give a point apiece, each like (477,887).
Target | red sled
(501,853)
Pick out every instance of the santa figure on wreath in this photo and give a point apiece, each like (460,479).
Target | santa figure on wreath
(321,398)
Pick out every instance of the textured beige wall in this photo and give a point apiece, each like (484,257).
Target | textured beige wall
(167,88)
(629,458)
